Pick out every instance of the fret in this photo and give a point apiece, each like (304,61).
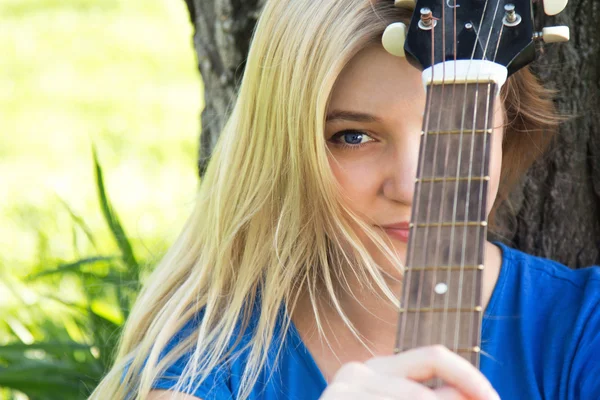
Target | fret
(413,310)
(447,268)
(474,349)
(472,81)
(446,224)
(454,179)
(458,132)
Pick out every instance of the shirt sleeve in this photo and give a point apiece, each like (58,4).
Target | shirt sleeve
(215,387)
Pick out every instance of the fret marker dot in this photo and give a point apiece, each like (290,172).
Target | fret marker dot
(441,288)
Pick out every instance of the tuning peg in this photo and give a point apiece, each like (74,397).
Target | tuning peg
(553,7)
(554,34)
(393,39)
(408,4)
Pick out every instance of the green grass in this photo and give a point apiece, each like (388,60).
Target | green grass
(119,75)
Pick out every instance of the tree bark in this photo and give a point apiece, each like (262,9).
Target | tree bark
(558,204)
(555,211)
(223,29)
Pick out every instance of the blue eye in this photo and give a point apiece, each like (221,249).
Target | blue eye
(351,139)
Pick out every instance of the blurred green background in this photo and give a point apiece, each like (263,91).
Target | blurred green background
(77,237)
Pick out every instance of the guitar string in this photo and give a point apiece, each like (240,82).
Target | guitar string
(422,172)
(448,281)
(426,132)
(431,316)
(485,162)
(438,381)
(481,210)
(407,279)
(424,137)
(465,228)
(433,175)
(485,170)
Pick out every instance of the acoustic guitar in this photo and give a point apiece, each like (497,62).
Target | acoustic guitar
(466,50)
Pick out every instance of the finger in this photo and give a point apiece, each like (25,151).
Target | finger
(425,363)
(342,390)
(376,384)
(399,388)
(383,385)
(449,393)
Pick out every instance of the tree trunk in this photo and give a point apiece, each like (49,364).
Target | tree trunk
(223,29)
(558,204)
(555,210)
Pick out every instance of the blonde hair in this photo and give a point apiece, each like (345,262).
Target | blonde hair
(269,223)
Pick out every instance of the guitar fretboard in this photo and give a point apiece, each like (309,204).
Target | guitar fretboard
(442,295)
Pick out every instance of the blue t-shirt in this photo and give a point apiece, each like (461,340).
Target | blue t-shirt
(540,340)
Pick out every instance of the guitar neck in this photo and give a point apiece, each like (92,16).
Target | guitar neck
(442,294)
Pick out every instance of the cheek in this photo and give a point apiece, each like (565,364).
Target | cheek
(357,182)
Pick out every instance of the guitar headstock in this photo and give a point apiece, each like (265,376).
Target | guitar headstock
(500,31)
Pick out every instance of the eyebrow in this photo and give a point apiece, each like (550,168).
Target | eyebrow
(351,116)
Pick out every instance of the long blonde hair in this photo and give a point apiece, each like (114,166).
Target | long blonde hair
(268,219)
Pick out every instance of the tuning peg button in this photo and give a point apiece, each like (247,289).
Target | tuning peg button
(408,4)
(393,39)
(554,34)
(553,7)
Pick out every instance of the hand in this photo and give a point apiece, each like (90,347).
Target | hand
(399,377)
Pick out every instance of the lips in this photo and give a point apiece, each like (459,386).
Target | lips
(399,231)
(398,225)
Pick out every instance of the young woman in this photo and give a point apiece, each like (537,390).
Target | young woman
(285,282)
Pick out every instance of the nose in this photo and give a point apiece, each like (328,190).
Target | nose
(401,165)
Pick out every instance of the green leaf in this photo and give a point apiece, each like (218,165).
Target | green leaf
(79,221)
(71,267)
(112,219)
(16,351)
(49,369)
(42,378)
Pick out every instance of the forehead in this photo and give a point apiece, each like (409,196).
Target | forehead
(375,81)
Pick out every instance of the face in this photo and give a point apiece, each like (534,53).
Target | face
(374,156)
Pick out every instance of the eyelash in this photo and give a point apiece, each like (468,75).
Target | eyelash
(346,145)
